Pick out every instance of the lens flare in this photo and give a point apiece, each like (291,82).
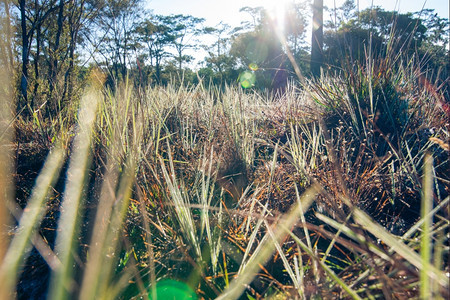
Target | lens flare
(171,289)
(247,79)
(253,67)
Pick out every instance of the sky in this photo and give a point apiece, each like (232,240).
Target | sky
(215,11)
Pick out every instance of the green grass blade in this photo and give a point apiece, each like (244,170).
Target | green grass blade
(180,200)
(252,240)
(98,240)
(114,230)
(330,272)
(419,223)
(238,285)
(287,267)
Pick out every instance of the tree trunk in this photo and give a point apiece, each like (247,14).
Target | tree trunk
(74,19)
(25,59)
(55,56)
(158,71)
(180,58)
(317,38)
(36,64)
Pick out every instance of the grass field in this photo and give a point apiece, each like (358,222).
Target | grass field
(336,189)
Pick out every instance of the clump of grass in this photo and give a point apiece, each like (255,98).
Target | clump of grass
(381,122)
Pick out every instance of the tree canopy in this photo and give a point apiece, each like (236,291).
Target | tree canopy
(57,41)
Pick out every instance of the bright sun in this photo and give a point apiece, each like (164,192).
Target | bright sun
(275,8)
(277,11)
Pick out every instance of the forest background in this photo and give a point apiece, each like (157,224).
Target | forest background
(56,43)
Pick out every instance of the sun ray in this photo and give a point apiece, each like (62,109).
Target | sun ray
(277,10)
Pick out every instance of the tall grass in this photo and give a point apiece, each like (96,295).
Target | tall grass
(243,196)
(6,155)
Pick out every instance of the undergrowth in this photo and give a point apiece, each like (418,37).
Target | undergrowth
(336,189)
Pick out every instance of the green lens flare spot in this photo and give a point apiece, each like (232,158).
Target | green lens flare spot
(247,79)
(171,289)
(253,67)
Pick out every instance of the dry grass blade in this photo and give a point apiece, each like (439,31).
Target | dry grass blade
(123,132)
(327,269)
(333,241)
(403,250)
(353,235)
(113,235)
(426,242)
(97,246)
(267,247)
(30,220)
(419,223)
(181,205)
(252,240)
(295,280)
(151,254)
(61,282)
(7,106)
(206,195)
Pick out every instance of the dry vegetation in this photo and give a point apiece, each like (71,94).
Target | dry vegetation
(336,189)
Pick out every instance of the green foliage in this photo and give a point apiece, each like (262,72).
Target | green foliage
(128,41)
(49,34)
(379,33)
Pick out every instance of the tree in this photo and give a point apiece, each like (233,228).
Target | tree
(256,13)
(434,49)
(379,31)
(54,53)
(184,29)
(437,28)
(295,26)
(408,31)
(49,35)
(218,59)
(343,14)
(119,18)
(6,36)
(155,36)
(317,38)
(261,52)
(33,16)
(295,32)
(81,14)
(25,53)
